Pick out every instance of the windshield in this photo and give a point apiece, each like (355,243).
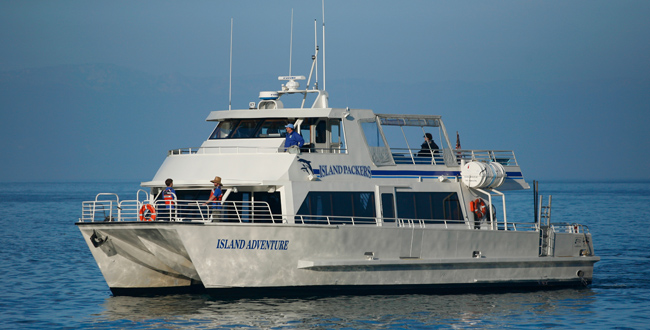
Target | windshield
(250,128)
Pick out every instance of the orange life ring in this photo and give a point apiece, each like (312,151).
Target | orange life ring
(478,208)
(147,213)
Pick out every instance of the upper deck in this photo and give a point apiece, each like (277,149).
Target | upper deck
(247,147)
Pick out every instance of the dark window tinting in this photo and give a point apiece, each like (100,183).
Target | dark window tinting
(342,207)
(429,206)
(250,128)
(388,208)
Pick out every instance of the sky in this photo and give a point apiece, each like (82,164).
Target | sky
(565,84)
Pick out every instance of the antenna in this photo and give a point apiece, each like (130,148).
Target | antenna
(316,52)
(291,42)
(230,84)
(323,44)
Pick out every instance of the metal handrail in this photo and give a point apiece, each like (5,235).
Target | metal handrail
(248,150)
(411,156)
(260,211)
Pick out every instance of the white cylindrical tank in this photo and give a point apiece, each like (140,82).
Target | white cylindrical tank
(483,175)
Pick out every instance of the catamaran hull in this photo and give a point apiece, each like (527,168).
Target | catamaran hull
(248,258)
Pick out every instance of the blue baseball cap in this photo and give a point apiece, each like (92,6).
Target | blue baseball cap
(289,126)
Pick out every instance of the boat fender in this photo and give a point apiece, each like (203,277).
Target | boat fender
(96,240)
(147,213)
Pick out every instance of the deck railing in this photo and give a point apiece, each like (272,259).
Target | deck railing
(108,208)
(417,157)
(251,150)
(178,210)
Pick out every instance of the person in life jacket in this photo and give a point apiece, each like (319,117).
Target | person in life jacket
(215,200)
(216,194)
(169,194)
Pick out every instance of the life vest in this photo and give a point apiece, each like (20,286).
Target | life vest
(478,208)
(169,196)
(218,199)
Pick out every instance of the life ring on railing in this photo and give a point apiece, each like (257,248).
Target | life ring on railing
(478,208)
(147,213)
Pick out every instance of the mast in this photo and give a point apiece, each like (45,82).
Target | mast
(230,82)
(291,42)
(323,44)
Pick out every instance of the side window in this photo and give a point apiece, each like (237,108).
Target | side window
(321,132)
(223,129)
(387,207)
(335,127)
(245,129)
(272,128)
(429,206)
(339,207)
(372,133)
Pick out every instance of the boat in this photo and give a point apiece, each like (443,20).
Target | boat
(348,211)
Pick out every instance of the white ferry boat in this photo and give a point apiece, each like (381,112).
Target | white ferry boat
(345,212)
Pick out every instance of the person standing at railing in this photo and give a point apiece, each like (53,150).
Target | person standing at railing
(169,195)
(292,138)
(428,147)
(215,199)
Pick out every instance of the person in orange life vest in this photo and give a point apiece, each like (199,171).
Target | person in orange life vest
(169,194)
(216,194)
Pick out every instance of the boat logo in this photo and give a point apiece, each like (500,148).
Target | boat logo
(360,170)
(306,166)
(253,244)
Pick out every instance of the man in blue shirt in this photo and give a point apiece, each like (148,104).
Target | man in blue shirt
(293,138)
(215,200)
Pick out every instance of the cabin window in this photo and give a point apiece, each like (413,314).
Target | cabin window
(250,128)
(251,207)
(429,206)
(321,132)
(379,153)
(388,207)
(339,207)
(372,133)
(272,128)
(224,129)
(245,129)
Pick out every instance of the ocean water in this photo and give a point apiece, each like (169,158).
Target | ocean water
(49,280)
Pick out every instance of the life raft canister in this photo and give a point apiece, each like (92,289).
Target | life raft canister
(478,208)
(147,213)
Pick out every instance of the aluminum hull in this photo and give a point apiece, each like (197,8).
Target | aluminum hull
(250,258)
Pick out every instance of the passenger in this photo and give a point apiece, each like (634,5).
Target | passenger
(293,138)
(169,195)
(428,147)
(215,196)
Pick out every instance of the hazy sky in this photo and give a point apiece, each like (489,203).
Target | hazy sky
(517,56)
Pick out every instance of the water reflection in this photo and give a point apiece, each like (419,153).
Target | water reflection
(493,310)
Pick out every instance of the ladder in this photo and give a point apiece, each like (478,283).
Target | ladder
(544,216)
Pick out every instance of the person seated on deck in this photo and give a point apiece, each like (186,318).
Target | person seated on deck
(428,147)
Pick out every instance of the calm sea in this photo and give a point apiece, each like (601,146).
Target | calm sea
(49,280)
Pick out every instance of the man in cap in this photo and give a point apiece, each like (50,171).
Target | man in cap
(293,138)
(428,147)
